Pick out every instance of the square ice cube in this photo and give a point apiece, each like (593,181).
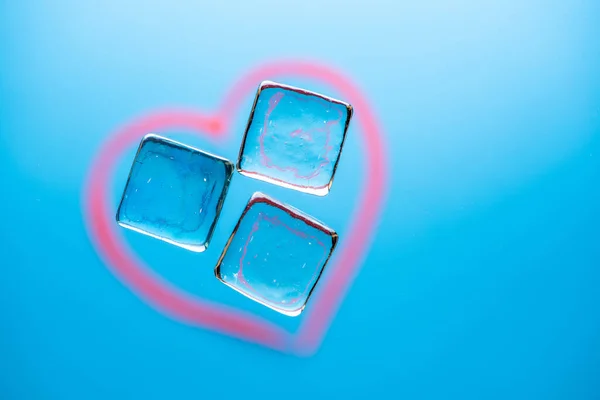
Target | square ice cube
(294,138)
(174,193)
(276,255)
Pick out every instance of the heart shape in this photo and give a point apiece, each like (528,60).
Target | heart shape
(182,306)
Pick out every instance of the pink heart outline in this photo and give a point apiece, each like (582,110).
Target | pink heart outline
(186,308)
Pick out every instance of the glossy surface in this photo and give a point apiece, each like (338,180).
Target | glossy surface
(481,282)
(294,138)
(276,255)
(174,193)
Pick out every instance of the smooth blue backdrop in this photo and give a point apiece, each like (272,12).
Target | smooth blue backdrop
(482,281)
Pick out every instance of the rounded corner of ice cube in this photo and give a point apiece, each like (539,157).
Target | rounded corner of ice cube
(229,167)
(334,237)
(319,191)
(266,84)
(196,248)
(150,137)
(118,216)
(217,270)
(200,248)
(295,312)
(349,110)
(257,195)
(239,165)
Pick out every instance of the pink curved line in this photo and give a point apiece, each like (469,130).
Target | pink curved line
(331,291)
(189,309)
(158,292)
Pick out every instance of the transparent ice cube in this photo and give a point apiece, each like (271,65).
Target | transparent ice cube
(174,193)
(294,138)
(276,255)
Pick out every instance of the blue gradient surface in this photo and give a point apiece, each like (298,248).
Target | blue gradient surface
(482,281)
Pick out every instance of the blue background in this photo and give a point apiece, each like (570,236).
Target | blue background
(482,280)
